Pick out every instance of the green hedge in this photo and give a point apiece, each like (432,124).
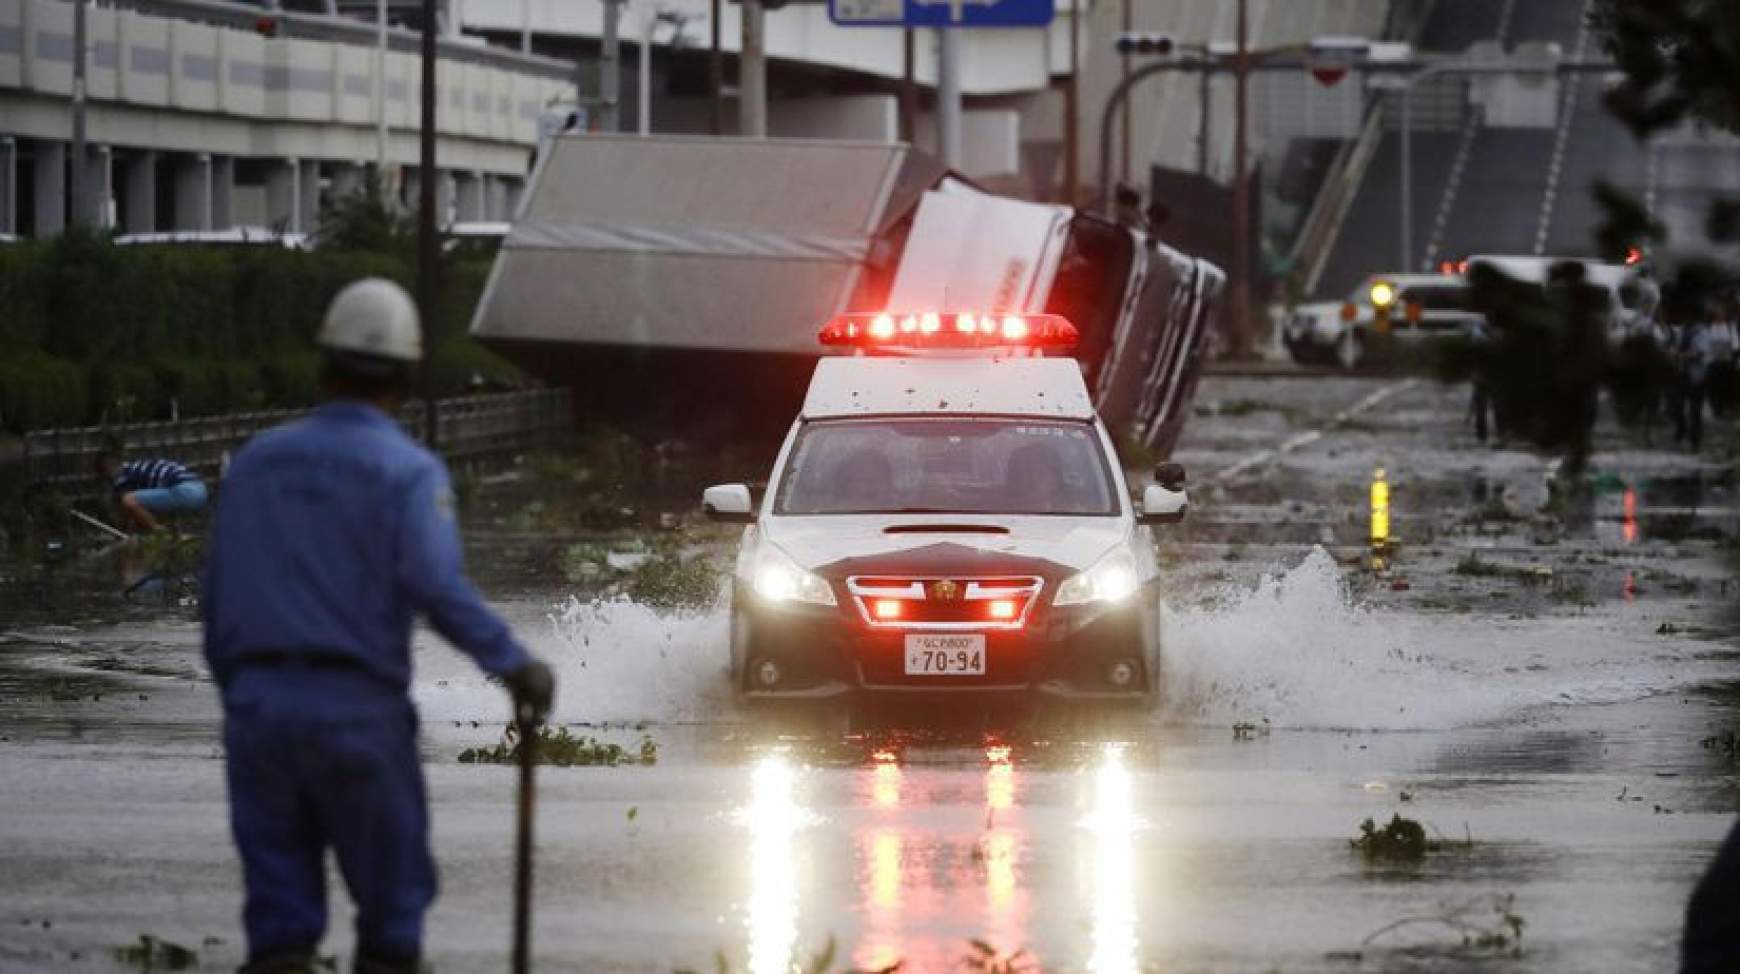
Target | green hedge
(92,333)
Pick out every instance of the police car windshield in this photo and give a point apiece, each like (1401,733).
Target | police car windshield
(947,466)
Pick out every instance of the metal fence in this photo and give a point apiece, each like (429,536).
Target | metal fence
(470,426)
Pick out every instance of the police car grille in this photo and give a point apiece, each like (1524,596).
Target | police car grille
(944,602)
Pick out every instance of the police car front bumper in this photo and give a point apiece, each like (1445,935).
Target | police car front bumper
(819,653)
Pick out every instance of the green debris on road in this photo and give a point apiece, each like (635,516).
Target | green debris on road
(566,750)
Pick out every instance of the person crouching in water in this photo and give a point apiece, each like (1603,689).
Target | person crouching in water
(150,490)
(333,534)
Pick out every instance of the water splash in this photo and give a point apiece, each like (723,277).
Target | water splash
(1295,650)
(1298,651)
(615,660)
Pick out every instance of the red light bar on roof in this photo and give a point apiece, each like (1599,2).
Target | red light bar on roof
(955,329)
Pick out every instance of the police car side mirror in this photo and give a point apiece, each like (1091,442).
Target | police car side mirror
(729,503)
(1161,505)
(1170,476)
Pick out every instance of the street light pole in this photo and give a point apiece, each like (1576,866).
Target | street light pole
(81,200)
(1071,112)
(609,69)
(1204,128)
(716,72)
(948,96)
(644,108)
(908,85)
(381,92)
(1239,335)
(1407,140)
(1124,121)
(752,72)
(1407,178)
(427,252)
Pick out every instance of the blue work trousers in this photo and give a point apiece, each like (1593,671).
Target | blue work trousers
(318,759)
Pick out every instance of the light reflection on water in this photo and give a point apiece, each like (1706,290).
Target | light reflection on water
(773,817)
(927,886)
(934,874)
(1111,826)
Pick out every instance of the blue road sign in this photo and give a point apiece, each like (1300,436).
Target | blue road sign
(942,13)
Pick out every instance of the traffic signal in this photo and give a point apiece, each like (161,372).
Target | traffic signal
(1155,45)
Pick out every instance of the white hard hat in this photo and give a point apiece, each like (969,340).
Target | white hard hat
(374,317)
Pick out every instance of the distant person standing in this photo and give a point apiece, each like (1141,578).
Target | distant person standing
(1722,382)
(1694,347)
(333,534)
(149,490)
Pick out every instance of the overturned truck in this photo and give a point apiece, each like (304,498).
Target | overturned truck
(677,284)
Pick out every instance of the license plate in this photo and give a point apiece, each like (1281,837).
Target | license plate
(935,654)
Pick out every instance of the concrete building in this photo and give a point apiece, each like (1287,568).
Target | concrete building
(843,82)
(206,115)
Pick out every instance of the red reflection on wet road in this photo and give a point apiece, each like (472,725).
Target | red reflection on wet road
(920,874)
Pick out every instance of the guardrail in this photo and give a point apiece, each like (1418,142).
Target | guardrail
(471,427)
(318,27)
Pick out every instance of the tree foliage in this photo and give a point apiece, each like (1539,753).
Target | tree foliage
(95,333)
(1680,61)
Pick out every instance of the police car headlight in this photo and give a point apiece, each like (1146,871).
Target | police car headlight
(1111,581)
(779,579)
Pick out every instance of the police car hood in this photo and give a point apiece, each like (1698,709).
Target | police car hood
(963,541)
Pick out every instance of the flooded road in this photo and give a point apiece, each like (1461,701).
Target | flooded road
(1546,695)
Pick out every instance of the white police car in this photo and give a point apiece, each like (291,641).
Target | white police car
(947,516)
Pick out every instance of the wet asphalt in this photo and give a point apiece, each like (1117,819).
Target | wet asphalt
(1551,697)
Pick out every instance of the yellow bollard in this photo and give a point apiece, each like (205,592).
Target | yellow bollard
(1380,520)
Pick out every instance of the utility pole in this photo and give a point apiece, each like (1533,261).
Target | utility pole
(1129,25)
(609,70)
(1204,125)
(752,73)
(1240,333)
(643,108)
(948,96)
(381,93)
(525,26)
(1071,119)
(81,197)
(427,253)
(716,71)
(908,85)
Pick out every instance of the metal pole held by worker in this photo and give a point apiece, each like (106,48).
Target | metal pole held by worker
(525,721)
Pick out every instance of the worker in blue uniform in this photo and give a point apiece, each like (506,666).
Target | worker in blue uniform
(332,533)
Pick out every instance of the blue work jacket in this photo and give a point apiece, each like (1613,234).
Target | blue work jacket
(331,534)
